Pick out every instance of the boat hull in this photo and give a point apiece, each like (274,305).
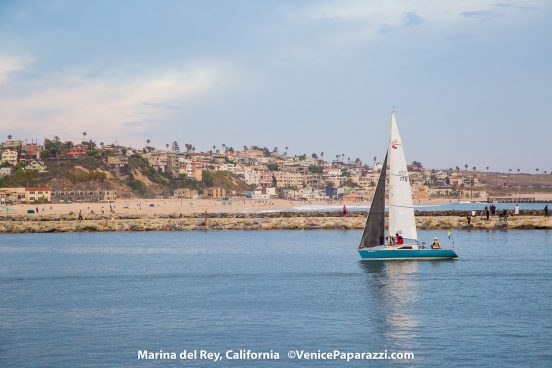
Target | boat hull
(406,254)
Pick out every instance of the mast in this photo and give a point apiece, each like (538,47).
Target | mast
(401,208)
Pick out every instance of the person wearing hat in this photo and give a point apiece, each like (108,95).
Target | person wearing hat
(435,244)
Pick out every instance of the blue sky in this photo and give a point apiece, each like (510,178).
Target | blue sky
(471,80)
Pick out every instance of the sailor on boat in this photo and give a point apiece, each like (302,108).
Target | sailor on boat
(435,244)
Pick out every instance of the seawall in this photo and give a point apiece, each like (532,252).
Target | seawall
(257,221)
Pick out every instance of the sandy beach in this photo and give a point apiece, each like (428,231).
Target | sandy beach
(140,206)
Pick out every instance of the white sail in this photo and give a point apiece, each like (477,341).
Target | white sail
(401,209)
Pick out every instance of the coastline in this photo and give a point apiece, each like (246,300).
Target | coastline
(257,221)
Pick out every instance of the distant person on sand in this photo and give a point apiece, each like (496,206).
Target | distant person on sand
(487,213)
(516,209)
(493,209)
(469,218)
(80,214)
(546,211)
(344,211)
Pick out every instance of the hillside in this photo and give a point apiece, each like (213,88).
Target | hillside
(92,173)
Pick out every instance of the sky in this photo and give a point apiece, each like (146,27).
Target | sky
(470,81)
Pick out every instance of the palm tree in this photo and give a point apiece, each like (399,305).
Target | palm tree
(466,167)
(321,155)
(375,158)
(83,135)
(9,136)
(286,147)
(537,170)
(167,146)
(148,141)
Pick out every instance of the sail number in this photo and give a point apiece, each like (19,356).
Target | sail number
(403,176)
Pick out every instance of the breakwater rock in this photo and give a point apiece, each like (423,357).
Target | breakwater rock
(254,221)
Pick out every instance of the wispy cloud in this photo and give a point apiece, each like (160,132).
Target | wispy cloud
(108,104)
(376,17)
(412,19)
(11,64)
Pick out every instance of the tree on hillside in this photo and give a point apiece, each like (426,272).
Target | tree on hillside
(9,136)
(175,147)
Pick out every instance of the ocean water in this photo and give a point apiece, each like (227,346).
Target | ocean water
(96,299)
(452,206)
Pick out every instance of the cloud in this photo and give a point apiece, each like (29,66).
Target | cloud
(11,64)
(412,19)
(371,18)
(115,103)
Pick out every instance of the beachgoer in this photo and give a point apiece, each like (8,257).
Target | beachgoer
(516,209)
(546,211)
(504,215)
(493,209)
(469,219)
(344,210)
(80,215)
(487,213)
(473,213)
(435,244)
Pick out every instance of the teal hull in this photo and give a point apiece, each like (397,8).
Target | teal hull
(406,254)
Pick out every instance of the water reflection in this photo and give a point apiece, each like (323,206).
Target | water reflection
(392,288)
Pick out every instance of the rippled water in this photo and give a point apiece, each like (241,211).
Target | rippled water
(95,299)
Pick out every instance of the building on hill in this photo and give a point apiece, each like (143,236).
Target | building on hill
(119,166)
(12,144)
(36,165)
(30,151)
(10,156)
(4,171)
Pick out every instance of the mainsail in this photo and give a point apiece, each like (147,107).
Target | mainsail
(401,209)
(374,231)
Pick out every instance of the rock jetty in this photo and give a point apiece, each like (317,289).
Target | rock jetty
(257,221)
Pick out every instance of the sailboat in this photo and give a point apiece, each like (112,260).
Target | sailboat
(401,242)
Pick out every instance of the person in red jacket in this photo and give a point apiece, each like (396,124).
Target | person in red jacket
(399,238)
(344,211)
